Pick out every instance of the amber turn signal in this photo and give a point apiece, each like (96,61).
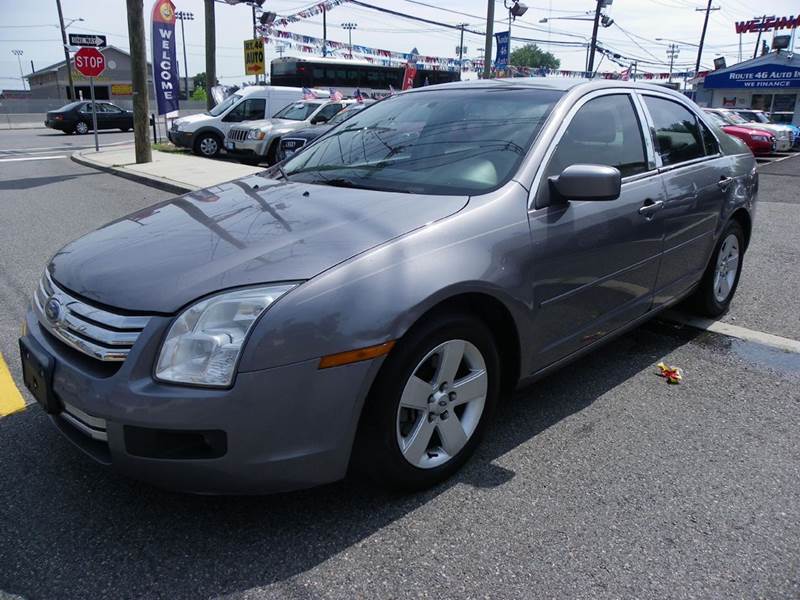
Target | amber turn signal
(351,356)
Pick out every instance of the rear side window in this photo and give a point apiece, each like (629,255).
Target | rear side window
(677,131)
(709,141)
(604,131)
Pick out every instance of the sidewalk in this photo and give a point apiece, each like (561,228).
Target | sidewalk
(171,172)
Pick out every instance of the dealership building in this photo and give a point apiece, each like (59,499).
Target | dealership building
(770,83)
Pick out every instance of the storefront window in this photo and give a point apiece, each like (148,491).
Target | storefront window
(784,102)
(761,102)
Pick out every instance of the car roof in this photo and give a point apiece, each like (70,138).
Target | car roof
(564,84)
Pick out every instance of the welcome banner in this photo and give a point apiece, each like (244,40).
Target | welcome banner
(165,62)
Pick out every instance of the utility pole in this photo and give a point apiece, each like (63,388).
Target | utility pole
(141,120)
(66,50)
(707,10)
(349,27)
(324,32)
(487,54)
(461,50)
(18,54)
(600,5)
(211,50)
(182,16)
(672,53)
(760,31)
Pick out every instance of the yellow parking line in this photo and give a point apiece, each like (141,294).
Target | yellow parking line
(10,399)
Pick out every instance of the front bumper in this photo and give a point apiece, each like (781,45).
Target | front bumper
(783,144)
(180,138)
(285,428)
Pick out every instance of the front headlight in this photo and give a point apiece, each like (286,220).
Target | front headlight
(255,134)
(204,343)
(760,138)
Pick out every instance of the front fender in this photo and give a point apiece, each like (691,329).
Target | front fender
(377,296)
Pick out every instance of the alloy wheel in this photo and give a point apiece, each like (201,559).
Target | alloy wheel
(727,268)
(82,128)
(442,403)
(209,146)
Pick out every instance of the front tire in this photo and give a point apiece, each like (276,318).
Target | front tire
(721,278)
(430,403)
(207,145)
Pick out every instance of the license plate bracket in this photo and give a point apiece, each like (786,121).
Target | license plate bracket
(37,374)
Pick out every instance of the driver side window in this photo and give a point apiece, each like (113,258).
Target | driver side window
(604,131)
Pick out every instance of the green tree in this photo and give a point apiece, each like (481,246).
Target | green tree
(199,93)
(530,55)
(199,80)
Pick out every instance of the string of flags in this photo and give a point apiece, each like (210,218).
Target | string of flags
(313,45)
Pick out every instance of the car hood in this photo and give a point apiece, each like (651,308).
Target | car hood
(312,133)
(766,127)
(195,118)
(245,232)
(748,130)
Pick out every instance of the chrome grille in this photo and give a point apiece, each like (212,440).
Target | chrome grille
(237,135)
(101,334)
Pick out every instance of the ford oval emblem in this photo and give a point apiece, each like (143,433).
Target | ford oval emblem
(52,309)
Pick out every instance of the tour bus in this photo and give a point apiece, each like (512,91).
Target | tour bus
(349,75)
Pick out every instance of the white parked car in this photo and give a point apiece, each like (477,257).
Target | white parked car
(259,141)
(205,133)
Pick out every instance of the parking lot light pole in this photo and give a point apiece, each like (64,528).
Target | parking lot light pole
(18,54)
(349,27)
(182,16)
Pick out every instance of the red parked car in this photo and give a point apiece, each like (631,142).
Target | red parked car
(759,141)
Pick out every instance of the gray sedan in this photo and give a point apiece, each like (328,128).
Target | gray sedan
(368,303)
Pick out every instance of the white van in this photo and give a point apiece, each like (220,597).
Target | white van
(204,133)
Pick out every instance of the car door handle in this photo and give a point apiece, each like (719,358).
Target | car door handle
(724,182)
(650,207)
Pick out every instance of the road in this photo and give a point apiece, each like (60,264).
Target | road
(599,481)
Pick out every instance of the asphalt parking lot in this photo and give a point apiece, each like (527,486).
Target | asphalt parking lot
(598,481)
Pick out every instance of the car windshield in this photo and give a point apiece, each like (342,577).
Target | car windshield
(345,114)
(455,141)
(762,118)
(224,105)
(716,119)
(734,119)
(297,111)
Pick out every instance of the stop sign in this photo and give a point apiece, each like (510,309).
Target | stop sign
(90,62)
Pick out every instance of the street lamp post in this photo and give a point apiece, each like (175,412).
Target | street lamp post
(18,54)
(182,16)
(349,27)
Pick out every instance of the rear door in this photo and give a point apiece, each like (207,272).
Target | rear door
(595,263)
(696,177)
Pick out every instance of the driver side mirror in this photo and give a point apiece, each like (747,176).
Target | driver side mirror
(319,119)
(587,182)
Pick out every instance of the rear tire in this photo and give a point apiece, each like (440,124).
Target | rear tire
(81,128)
(430,404)
(721,278)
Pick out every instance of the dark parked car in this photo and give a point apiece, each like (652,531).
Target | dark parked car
(297,140)
(366,303)
(76,117)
